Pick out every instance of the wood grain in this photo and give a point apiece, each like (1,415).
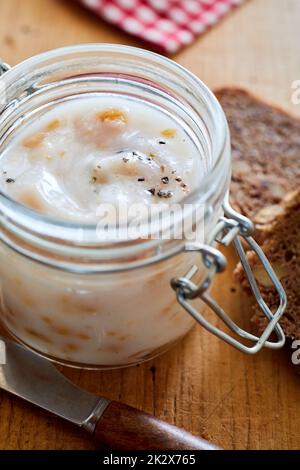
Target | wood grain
(202,385)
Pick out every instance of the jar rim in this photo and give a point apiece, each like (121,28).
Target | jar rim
(41,221)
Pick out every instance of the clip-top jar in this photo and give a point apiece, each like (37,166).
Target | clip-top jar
(87,302)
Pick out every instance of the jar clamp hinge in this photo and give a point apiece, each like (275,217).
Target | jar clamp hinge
(230,229)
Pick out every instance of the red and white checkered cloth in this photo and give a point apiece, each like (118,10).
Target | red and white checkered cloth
(168,24)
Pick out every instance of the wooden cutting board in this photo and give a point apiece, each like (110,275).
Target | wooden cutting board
(203,385)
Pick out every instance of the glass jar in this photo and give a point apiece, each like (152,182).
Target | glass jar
(90,303)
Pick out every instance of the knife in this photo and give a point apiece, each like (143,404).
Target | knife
(113,425)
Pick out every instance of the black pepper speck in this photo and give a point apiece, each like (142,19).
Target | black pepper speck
(164,194)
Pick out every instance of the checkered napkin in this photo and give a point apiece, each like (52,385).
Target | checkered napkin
(167,24)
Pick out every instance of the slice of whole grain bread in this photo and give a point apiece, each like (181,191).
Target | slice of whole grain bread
(266,188)
(281,244)
(266,155)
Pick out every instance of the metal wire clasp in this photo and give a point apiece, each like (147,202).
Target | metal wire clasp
(230,229)
(3,98)
(3,67)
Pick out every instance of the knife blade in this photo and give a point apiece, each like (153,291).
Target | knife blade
(112,424)
(31,377)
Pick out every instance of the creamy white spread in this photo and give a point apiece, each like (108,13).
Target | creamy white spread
(96,150)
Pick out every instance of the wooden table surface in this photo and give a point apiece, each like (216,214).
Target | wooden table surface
(203,385)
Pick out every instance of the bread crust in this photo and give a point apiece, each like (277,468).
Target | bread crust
(265,152)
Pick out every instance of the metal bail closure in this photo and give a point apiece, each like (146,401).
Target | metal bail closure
(230,229)
(3,67)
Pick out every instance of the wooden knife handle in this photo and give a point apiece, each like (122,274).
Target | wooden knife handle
(122,427)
